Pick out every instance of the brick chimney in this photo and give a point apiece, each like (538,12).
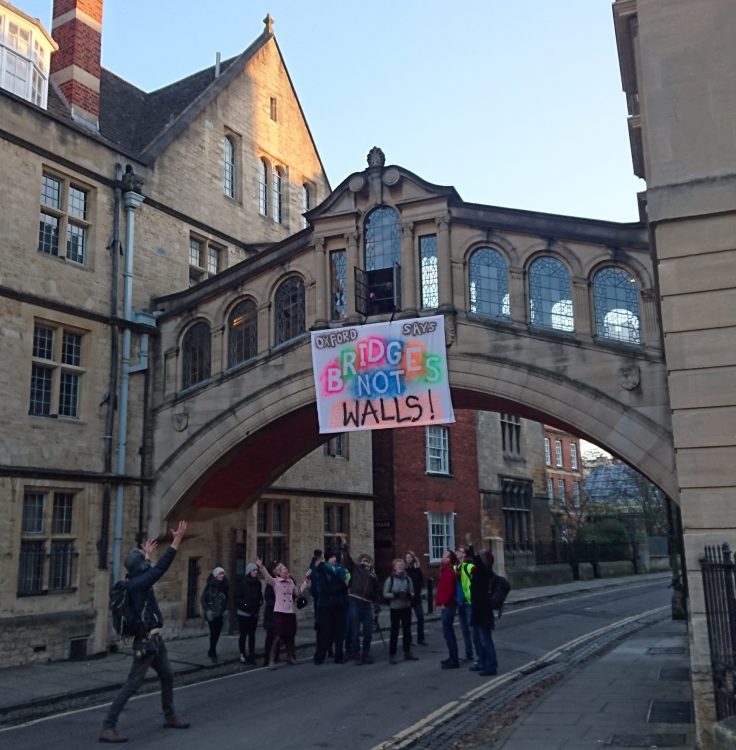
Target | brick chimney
(76,26)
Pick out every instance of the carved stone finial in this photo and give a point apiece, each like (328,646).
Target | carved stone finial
(268,22)
(131,181)
(376,157)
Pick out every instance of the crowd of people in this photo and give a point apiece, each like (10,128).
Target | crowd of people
(346,595)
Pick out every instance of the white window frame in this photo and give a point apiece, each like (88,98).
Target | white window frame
(70,223)
(201,255)
(229,165)
(558,453)
(441,534)
(437,450)
(547,452)
(561,491)
(573,456)
(550,491)
(576,493)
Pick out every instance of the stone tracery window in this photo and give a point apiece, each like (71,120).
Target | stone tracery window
(242,332)
(289,306)
(616,303)
(196,355)
(550,295)
(488,277)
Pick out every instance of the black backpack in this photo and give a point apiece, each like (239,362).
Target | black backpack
(500,588)
(125,620)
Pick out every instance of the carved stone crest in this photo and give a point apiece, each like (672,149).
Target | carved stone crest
(180,421)
(629,377)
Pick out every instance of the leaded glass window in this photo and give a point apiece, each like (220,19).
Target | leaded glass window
(616,302)
(550,294)
(263,187)
(228,166)
(489,283)
(382,239)
(242,326)
(276,191)
(290,315)
(338,285)
(196,355)
(428,271)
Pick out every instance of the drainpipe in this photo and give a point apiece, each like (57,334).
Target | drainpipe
(131,200)
(112,389)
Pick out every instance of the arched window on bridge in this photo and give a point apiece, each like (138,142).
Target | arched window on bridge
(488,276)
(378,284)
(550,295)
(289,305)
(196,355)
(616,302)
(242,333)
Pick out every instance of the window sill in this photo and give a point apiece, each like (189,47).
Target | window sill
(447,474)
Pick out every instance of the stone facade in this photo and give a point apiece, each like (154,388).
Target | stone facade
(679,87)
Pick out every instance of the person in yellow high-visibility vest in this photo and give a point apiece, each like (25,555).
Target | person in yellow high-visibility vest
(464,574)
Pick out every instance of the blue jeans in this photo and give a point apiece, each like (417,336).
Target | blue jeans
(463,615)
(160,662)
(448,630)
(487,652)
(360,615)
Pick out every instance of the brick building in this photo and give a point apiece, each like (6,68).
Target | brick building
(564,481)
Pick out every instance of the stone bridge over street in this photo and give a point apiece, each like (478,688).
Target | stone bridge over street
(549,317)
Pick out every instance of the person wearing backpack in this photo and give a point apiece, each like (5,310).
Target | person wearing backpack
(481,613)
(214,605)
(398,591)
(148,645)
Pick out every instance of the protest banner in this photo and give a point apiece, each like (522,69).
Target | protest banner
(382,375)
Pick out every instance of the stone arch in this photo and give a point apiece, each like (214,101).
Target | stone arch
(491,239)
(556,250)
(195,359)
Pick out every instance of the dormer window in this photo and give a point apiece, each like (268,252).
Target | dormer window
(25,50)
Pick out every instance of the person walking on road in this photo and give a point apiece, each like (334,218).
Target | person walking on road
(148,646)
(249,600)
(398,591)
(445,599)
(214,605)
(414,571)
(331,579)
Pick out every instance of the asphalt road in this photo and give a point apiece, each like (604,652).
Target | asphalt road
(342,706)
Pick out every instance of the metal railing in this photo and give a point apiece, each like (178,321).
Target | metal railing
(717,567)
(550,553)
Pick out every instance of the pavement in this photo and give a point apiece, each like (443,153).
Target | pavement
(636,695)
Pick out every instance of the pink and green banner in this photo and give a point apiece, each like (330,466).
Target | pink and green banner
(382,375)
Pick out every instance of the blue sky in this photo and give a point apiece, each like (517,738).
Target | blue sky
(515,104)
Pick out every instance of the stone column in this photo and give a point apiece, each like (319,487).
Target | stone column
(517,296)
(648,326)
(264,327)
(218,351)
(444,267)
(352,261)
(322,285)
(581,307)
(408,270)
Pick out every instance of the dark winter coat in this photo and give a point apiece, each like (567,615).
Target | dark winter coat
(249,596)
(363,581)
(269,600)
(214,598)
(332,585)
(142,597)
(480,592)
(415,573)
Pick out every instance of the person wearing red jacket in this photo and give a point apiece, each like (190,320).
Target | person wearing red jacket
(446,600)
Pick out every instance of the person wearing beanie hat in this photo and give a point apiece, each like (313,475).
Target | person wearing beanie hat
(249,598)
(149,647)
(214,605)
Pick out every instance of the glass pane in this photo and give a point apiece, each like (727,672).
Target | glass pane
(550,295)
(60,565)
(616,301)
(289,302)
(61,522)
(382,239)
(242,333)
(51,192)
(30,568)
(43,342)
(40,403)
(195,253)
(76,241)
(69,395)
(338,282)
(71,348)
(48,234)
(196,355)
(428,271)
(77,203)
(489,283)
(33,513)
